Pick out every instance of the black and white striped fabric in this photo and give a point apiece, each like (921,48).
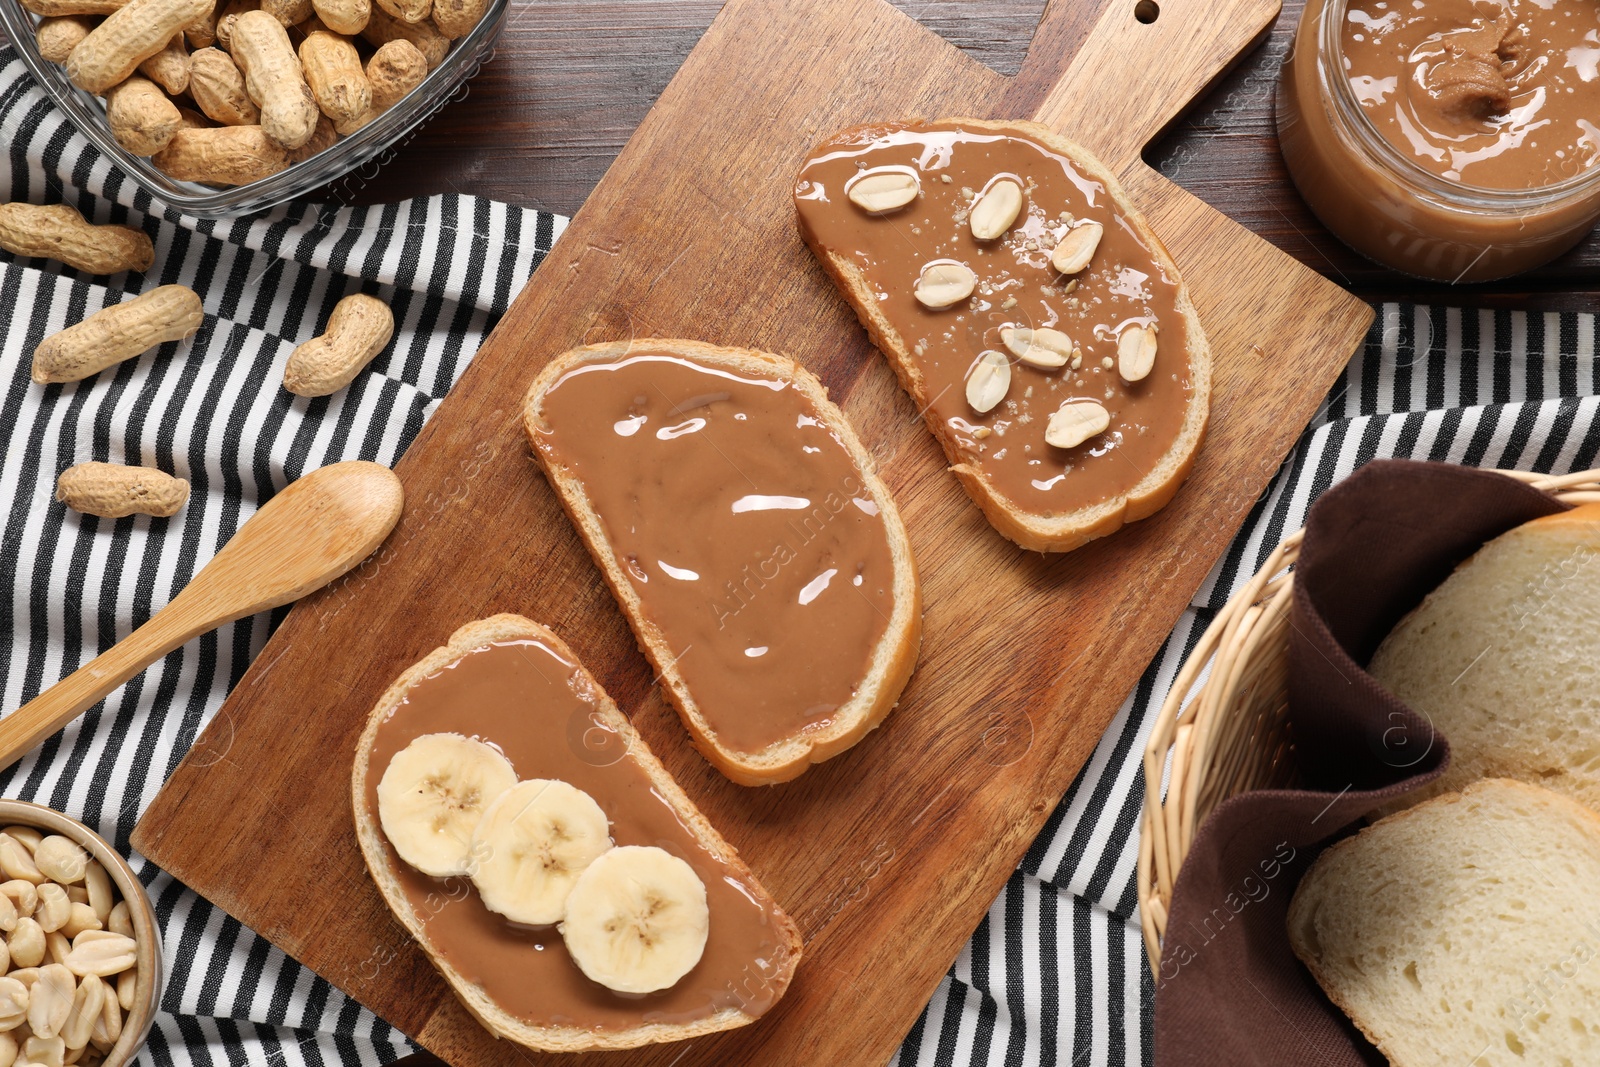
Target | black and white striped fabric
(1056,973)
(212,410)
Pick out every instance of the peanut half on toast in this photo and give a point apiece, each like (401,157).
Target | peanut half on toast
(747,538)
(567,889)
(1029,310)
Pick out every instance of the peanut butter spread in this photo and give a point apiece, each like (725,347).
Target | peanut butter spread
(1499,94)
(754,545)
(1045,333)
(541,712)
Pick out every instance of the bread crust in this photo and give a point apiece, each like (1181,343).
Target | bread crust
(893,659)
(1041,531)
(503,628)
(1488,580)
(1313,889)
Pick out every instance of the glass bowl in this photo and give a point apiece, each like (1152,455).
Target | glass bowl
(87,111)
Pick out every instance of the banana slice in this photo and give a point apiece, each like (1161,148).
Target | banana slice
(432,795)
(637,919)
(532,844)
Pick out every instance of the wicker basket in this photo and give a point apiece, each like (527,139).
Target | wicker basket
(1230,734)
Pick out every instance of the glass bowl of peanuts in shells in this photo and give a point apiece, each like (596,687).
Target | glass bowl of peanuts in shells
(226,107)
(80,963)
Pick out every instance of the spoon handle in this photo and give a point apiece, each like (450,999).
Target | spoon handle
(83,688)
(312,532)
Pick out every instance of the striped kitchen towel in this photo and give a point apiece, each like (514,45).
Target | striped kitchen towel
(1056,973)
(210,409)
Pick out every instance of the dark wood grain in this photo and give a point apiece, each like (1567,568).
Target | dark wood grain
(571,81)
(889,854)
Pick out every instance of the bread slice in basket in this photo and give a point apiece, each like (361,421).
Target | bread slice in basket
(1462,931)
(772,972)
(884,659)
(875,269)
(1503,659)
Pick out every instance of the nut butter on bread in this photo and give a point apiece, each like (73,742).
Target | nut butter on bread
(506,701)
(743,530)
(1462,931)
(1030,311)
(1504,659)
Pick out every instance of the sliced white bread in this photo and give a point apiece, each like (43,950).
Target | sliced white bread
(1038,531)
(1462,932)
(1504,658)
(892,660)
(475,635)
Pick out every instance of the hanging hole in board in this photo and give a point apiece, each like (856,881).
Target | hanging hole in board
(1147,11)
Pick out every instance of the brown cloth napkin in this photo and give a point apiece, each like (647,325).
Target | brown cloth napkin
(1230,992)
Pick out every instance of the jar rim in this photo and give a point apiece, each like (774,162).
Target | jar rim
(1330,43)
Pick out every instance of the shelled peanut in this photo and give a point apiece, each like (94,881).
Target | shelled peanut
(142,117)
(218,87)
(69,961)
(58,35)
(129,36)
(333,70)
(169,68)
(300,74)
(395,69)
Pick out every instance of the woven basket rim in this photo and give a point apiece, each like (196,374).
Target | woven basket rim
(1228,734)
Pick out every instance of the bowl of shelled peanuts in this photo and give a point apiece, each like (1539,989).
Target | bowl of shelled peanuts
(223,107)
(80,963)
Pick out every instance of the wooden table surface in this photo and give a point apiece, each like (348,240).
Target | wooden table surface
(571,79)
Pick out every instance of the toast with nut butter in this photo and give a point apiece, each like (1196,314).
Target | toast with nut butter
(563,884)
(746,536)
(1027,307)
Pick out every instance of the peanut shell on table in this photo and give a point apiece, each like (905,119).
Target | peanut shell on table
(113,491)
(56,231)
(358,330)
(109,336)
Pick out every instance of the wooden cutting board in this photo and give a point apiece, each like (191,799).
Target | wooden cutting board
(889,855)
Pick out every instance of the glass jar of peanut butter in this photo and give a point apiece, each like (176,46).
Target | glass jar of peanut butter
(1455,140)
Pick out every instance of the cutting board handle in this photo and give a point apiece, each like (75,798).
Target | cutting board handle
(1136,76)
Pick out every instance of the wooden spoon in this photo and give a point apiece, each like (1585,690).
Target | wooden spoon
(315,530)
